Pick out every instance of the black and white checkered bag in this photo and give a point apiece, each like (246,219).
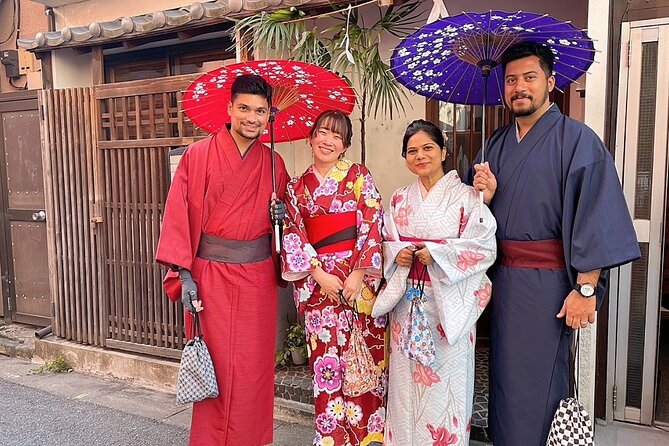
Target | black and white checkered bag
(572,425)
(196,380)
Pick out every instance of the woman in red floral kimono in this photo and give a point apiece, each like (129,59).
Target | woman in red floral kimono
(332,251)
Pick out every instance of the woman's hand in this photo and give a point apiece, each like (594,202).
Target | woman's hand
(485,181)
(405,256)
(353,285)
(330,284)
(423,254)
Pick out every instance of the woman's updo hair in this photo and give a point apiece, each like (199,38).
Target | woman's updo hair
(431,130)
(421,125)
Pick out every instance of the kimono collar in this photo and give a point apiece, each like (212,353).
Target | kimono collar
(225,136)
(449,180)
(518,137)
(338,171)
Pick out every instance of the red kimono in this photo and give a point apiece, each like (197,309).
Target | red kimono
(318,210)
(216,191)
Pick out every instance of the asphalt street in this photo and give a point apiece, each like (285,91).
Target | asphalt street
(31,417)
(73,409)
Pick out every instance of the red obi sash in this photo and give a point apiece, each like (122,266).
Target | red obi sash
(537,254)
(417,267)
(332,232)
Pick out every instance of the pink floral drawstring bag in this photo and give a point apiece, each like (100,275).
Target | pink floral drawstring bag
(359,369)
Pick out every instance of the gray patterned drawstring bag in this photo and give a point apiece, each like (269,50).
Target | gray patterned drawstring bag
(196,380)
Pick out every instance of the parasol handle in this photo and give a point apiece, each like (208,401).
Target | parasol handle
(272,118)
(486,66)
(277,232)
(277,238)
(481,203)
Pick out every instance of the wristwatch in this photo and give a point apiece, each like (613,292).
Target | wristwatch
(585,289)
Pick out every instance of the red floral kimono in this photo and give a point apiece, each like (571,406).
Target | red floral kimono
(335,222)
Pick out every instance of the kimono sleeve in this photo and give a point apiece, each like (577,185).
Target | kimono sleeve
(463,290)
(367,252)
(175,245)
(395,275)
(298,257)
(597,228)
(457,259)
(392,244)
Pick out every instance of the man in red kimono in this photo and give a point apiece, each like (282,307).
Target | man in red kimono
(216,240)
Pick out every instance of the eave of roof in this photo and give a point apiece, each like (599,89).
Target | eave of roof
(195,14)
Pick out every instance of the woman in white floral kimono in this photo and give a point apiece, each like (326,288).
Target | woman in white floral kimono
(434,241)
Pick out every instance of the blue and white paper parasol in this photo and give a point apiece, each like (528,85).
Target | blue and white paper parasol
(447,59)
(457,59)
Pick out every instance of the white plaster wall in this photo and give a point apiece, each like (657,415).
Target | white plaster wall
(71,69)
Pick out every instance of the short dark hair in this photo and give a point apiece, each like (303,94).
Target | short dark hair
(335,121)
(529,48)
(251,84)
(431,130)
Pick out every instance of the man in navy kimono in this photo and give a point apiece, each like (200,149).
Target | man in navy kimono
(562,223)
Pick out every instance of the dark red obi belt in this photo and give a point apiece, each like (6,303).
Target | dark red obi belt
(417,267)
(332,232)
(537,254)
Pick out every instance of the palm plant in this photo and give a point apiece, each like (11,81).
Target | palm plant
(350,47)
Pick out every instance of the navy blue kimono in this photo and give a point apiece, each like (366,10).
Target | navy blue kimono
(558,182)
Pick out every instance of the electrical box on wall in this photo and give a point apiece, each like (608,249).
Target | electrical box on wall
(10,59)
(26,62)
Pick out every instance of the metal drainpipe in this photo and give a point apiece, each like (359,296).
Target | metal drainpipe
(48,11)
(39,334)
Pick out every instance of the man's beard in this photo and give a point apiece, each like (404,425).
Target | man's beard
(532,108)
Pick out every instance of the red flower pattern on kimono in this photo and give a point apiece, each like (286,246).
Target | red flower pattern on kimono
(425,375)
(468,259)
(442,333)
(396,199)
(483,295)
(464,219)
(441,436)
(402,217)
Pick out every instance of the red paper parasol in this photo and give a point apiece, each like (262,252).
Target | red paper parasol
(301,91)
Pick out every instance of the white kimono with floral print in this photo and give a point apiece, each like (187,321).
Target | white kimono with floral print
(433,405)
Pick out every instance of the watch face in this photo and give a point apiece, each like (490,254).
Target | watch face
(587,290)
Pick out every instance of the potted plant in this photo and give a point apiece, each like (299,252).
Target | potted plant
(294,347)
